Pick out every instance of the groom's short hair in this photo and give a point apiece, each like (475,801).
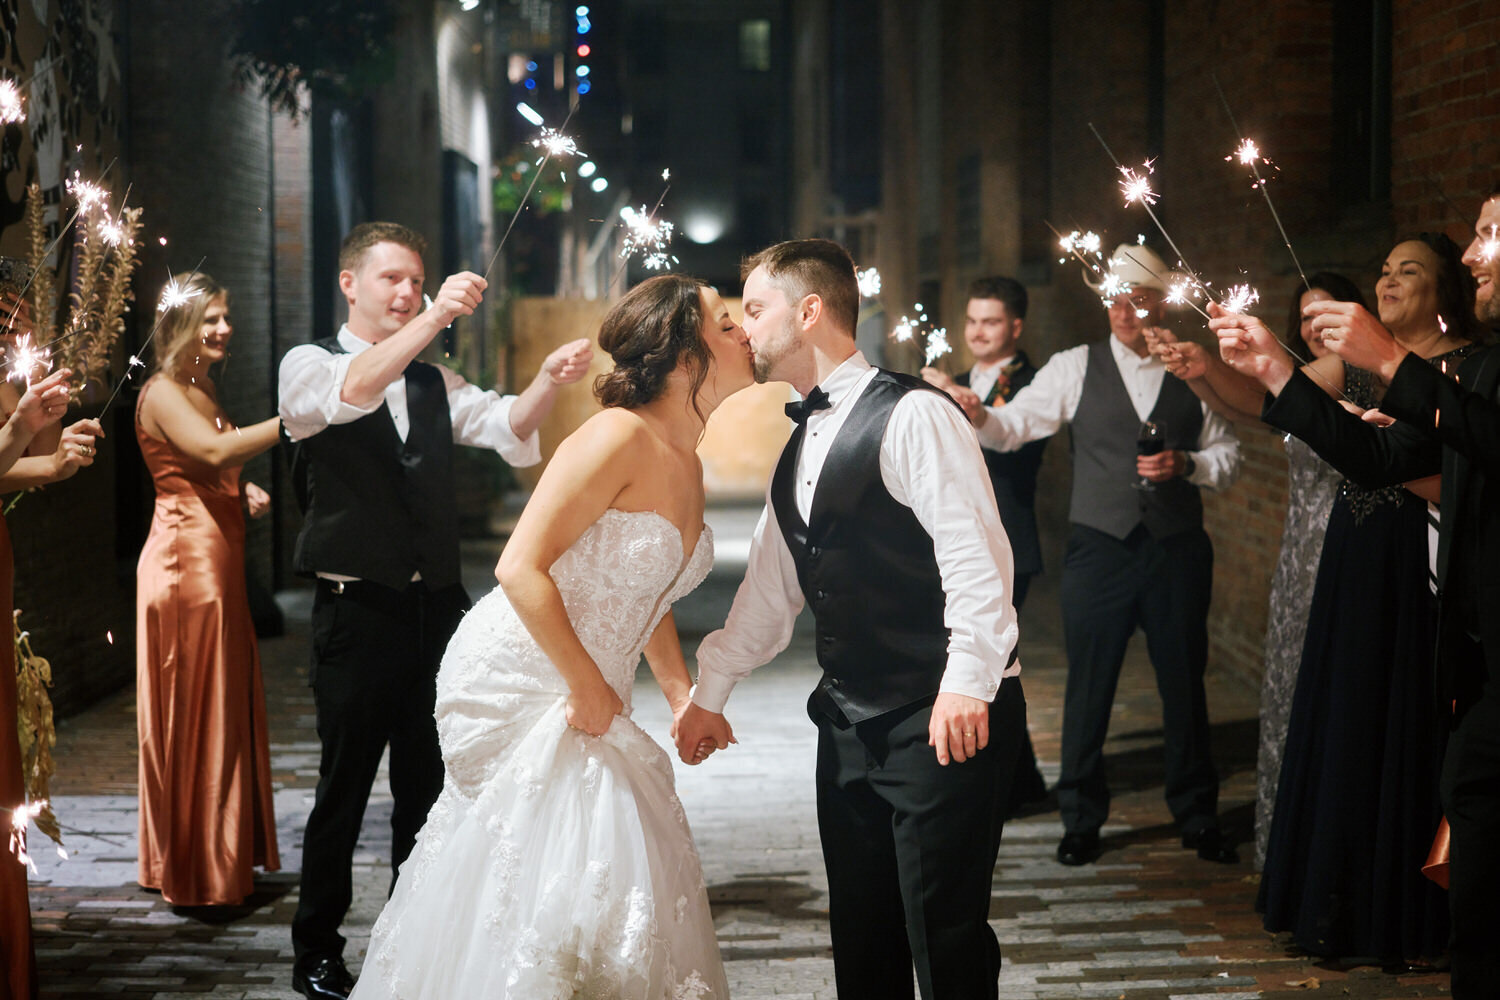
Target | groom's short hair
(812,267)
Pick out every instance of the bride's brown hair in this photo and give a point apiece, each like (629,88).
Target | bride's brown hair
(652,330)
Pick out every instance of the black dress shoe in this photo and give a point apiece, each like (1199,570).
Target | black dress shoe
(1209,843)
(324,979)
(1078,848)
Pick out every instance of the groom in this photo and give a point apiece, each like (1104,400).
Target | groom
(880,516)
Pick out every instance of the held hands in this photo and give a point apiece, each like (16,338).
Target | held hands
(257,500)
(1183,358)
(77,447)
(459,296)
(43,403)
(959,727)
(1348,330)
(593,709)
(699,732)
(1247,346)
(569,363)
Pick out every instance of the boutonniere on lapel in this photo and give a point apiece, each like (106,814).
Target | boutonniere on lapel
(1001,389)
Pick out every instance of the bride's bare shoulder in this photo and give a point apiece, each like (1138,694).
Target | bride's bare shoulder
(613,429)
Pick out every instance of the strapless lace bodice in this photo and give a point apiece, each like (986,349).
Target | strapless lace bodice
(617,581)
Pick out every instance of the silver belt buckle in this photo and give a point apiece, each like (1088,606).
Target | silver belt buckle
(338,586)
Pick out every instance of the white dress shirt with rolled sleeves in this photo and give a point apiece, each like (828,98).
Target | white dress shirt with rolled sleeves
(1050,401)
(311,388)
(929,461)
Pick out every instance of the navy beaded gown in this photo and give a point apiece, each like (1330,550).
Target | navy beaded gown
(1357,804)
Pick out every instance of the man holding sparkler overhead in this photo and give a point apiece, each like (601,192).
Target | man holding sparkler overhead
(1452,425)
(374,430)
(1137,552)
(879,516)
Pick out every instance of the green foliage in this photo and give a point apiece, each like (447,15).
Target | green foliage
(515,174)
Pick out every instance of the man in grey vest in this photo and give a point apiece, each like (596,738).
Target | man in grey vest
(374,430)
(880,518)
(1137,557)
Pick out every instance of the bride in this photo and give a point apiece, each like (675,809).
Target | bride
(557,862)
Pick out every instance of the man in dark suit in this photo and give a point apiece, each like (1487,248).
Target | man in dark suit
(1443,424)
(993,320)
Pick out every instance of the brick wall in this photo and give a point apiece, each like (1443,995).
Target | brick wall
(1276,62)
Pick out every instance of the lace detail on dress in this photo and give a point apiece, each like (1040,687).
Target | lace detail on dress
(1363,389)
(555,864)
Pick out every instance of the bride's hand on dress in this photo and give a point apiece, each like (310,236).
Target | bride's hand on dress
(593,709)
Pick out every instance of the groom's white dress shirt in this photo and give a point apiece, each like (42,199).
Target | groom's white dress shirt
(929,461)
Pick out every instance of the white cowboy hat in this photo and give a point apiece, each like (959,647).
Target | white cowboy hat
(1135,265)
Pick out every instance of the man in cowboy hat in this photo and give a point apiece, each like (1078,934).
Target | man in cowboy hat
(1137,552)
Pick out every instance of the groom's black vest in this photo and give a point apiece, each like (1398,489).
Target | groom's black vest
(375,507)
(866,567)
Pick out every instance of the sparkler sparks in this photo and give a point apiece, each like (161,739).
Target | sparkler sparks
(869,282)
(555,144)
(1240,298)
(28,360)
(1247,153)
(1137,187)
(172,296)
(12,105)
(647,238)
(937,344)
(88,194)
(1489,249)
(111,232)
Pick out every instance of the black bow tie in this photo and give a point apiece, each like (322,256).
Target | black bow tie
(817,399)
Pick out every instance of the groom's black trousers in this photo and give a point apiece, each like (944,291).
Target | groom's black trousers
(910,850)
(376,653)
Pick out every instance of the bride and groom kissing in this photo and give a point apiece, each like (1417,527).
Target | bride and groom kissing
(557,860)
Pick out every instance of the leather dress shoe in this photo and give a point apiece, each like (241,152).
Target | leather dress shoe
(1078,848)
(1209,843)
(324,979)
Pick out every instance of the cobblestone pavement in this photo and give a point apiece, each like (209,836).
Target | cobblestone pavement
(1148,922)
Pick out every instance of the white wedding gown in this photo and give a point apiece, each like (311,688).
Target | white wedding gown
(555,864)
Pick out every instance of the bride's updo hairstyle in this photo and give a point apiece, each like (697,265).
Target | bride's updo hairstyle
(656,327)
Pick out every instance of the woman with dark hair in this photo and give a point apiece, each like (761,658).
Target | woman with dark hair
(206,819)
(1357,806)
(557,860)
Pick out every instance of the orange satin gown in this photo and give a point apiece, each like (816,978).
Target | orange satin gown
(205,782)
(17,959)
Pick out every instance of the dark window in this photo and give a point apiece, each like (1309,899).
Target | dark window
(969,224)
(755,45)
(1361,101)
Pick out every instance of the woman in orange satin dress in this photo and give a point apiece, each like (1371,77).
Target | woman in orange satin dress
(40,406)
(205,786)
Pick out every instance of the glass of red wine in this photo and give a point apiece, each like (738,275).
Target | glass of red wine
(1151,439)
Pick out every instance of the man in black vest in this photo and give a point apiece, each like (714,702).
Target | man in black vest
(1451,425)
(993,319)
(374,430)
(1137,557)
(880,518)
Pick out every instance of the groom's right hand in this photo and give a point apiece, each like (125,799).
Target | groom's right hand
(696,727)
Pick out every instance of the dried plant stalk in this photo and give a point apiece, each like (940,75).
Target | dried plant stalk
(35,729)
(43,289)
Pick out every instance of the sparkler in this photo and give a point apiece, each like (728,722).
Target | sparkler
(646,236)
(1240,298)
(869,283)
(555,144)
(934,341)
(27,360)
(1248,153)
(1490,248)
(12,105)
(172,296)
(937,344)
(89,194)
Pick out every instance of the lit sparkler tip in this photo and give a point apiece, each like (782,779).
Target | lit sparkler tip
(1489,249)
(111,232)
(904,331)
(937,344)
(135,362)
(88,194)
(869,282)
(1136,187)
(1240,298)
(555,143)
(666,175)
(1247,153)
(29,360)
(12,105)
(174,295)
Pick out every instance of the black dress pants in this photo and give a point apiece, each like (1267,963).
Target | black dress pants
(1471,803)
(910,849)
(375,660)
(1109,588)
